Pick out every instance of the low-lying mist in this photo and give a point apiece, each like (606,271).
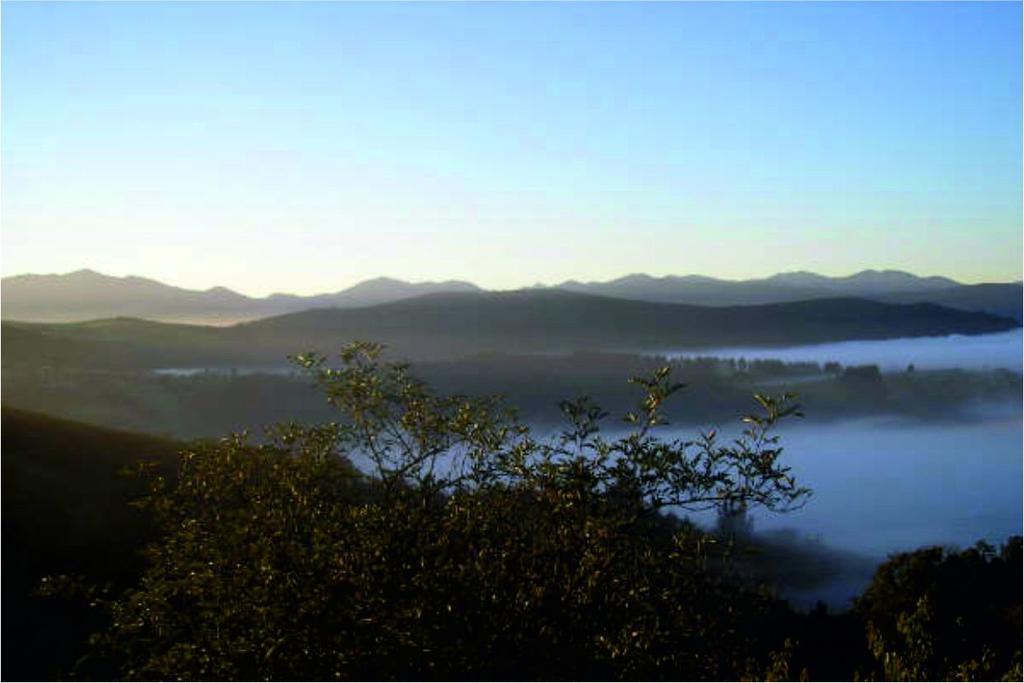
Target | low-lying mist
(883,485)
(1000,350)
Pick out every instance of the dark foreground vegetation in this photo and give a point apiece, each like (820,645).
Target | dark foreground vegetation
(430,536)
(66,508)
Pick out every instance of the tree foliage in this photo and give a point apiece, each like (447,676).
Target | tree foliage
(428,536)
(432,536)
(936,614)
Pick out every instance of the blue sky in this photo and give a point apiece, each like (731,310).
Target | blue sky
(306,146)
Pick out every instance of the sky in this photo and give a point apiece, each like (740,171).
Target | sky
(303,147)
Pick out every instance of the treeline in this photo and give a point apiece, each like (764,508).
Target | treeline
(464,547)
(219,401)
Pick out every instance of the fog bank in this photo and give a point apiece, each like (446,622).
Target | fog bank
(1002,350)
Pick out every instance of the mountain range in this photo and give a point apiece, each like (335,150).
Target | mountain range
(88,295)
(887,286)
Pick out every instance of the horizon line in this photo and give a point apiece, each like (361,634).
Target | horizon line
(534,285)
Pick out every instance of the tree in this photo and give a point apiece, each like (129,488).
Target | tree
(936,614)
(431,536)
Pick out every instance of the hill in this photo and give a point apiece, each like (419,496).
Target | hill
(65,510)
(547,320)
(1005,299)
(441,326)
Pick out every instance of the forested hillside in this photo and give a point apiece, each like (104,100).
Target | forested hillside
(446,326)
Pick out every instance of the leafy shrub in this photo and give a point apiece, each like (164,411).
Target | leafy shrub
(463,546)
(936,614)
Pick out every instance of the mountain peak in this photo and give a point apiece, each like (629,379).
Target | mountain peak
(87,274)
(798,277)
(636,277)
(380,280)
(898,280)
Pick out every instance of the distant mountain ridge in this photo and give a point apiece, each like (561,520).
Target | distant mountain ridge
(88,295)
(709,291)
(880,280)
(889,286)
(379,290)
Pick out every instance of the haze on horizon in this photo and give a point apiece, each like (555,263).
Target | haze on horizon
(306,147)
